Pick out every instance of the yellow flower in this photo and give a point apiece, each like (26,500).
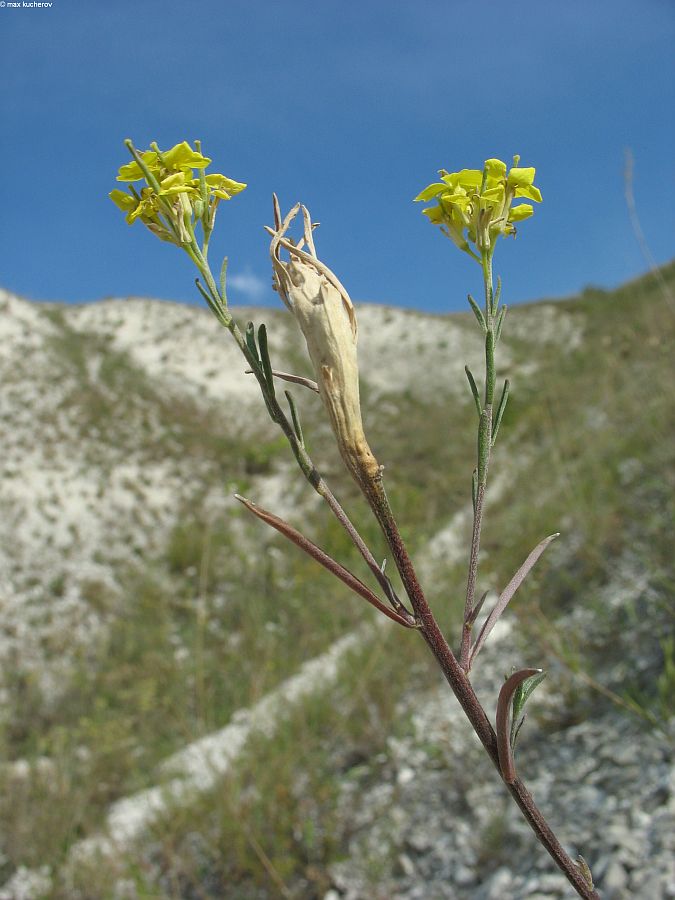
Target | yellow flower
(473,206)
(177,183)
(174,200)
(223,187)
(181,158)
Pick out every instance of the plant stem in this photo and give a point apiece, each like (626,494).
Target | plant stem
(453,671)
(304,460)
(484,446)
(463,690)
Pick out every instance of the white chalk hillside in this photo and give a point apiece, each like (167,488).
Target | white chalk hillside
(85,487)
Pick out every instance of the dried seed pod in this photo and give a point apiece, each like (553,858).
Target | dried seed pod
(326,317)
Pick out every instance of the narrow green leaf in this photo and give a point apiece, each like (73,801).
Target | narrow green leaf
(223,275)
(474,488)
(500,409)
(500,322)
(497,294)
(265,358)
(474,389)
(250,342)
(297,427)
(520,697)
(478,312)
(483,447)
(489,368)
(217,312)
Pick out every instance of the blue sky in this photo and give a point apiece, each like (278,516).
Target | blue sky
(351,109)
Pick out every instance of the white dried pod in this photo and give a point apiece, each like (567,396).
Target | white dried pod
(326,317)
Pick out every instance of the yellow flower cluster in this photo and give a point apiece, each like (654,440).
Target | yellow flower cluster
(475,206)
(173,199)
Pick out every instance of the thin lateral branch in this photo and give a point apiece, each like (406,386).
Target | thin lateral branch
(311,549)
(506,761)
(313,476)
(296,379)
(378,570)
(507,594)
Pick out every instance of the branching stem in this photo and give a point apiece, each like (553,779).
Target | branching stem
(463,690)
(453,669)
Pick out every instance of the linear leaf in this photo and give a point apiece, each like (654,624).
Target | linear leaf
(478,312)
(297,428)
(504,749)
(347,577)
(508,593)
(265,358)
(223,277)
(474,389)
(500,322)
(500,409)
(250,342)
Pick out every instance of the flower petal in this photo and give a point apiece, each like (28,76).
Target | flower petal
(521,177)
(123,201)
(133,172)
(431,191)
(518,213)
(182,156)
(529,191)
(495,168)
(224,187)
(434,214)
(470,178)
(178,183)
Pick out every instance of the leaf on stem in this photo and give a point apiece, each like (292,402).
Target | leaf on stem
(475,612)
(223,275)
(215,308)
(520,697)
(508,593)
(585,870)
(265,358)
(500,322)
(500,409)
(497,295)
(311,549)
(474,489)
(250,342)
(297,428)
(504,748)
(478,312)
(296,379)
(474,389)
